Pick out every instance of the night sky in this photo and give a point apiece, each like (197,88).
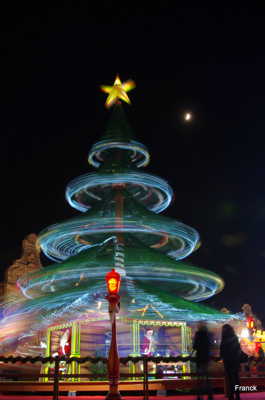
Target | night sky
(208,61)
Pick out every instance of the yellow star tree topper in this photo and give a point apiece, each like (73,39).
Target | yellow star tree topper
(118,91)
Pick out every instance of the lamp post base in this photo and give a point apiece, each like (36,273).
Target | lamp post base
(113,396)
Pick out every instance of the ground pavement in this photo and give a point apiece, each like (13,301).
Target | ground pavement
(244,396)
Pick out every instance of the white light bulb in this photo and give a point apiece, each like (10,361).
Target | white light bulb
(244,333)
(187,116)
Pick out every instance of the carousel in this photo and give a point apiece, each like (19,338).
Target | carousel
(64,305)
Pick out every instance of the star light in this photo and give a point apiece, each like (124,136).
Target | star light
(118,91)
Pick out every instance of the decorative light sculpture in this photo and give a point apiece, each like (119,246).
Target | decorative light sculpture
(120,226)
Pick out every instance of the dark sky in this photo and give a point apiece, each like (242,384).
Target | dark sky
(207,60)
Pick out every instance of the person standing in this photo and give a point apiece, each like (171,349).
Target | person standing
(202,345)
(230,353)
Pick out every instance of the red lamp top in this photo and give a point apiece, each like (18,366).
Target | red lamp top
(113,280)
(250,322)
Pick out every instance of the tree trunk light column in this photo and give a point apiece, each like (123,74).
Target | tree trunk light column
(75,351)
(136,347)
(113,359)
(184,348)
(45,369)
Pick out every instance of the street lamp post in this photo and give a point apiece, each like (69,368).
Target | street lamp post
(113,280)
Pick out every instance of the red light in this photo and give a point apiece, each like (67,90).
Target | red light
(113,280)
(250,323)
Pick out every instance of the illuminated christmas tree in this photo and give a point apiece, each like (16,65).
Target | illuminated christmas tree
(121,227)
